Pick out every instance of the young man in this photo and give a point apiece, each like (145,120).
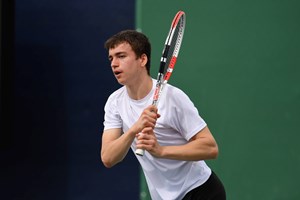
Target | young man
(175,138)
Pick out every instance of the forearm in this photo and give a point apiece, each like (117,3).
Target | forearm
(115,145)
(194,150)
(200,147)
(115,150)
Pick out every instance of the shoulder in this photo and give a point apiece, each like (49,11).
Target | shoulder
(179,100)
(116,97)
(176,93)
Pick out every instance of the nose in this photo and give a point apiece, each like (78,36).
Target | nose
(114,63)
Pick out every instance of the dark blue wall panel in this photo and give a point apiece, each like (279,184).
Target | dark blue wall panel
(61,80)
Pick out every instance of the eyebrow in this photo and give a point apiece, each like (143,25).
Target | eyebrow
(116,54)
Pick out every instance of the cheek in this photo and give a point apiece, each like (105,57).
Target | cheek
(129,65)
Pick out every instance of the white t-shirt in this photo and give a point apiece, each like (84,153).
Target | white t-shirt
(180,121)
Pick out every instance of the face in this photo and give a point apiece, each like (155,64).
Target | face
(125,64)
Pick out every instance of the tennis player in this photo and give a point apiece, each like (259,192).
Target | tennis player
(176,140)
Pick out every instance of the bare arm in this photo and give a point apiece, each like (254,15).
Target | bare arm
(115,145)
(200,147)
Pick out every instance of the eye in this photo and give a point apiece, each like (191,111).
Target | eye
(121,56)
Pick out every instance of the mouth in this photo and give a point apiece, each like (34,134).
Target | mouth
(117,73)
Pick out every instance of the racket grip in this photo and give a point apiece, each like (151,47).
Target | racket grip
(139,152)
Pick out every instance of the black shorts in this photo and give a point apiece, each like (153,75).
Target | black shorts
(212,189)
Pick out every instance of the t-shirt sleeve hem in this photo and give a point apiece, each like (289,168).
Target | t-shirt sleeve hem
(196,130)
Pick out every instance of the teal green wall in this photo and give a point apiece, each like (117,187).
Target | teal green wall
(240,64)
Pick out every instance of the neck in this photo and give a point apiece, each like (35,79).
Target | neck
(140,90)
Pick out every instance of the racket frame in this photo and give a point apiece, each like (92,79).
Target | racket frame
(163,77)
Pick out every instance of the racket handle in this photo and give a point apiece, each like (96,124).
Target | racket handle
(139,152)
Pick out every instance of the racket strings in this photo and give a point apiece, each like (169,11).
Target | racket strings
(171,48)
(174,44)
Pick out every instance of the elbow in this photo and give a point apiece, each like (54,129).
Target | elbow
(214,152)
(107,164)
(106,161)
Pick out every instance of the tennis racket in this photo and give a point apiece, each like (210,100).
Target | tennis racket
(169,58)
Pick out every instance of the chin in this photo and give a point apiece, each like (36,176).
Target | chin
(121,82)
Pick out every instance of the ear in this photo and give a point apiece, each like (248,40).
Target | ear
(144,60)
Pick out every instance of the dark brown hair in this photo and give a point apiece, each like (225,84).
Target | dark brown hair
(138,41)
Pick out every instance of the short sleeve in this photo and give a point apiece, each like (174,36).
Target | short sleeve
(112,117)
(186,117)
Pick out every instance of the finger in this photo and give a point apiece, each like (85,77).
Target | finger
(151,114)
(150,122)
(138,134)
(152,108)
(142,136)
(147,130)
